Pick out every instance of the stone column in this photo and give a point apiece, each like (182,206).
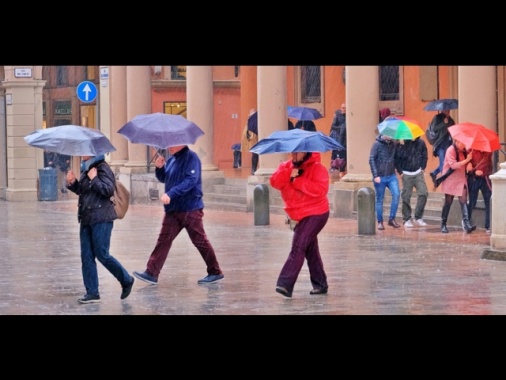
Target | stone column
(272,112)
(497,219)
(362,107)
(199,95)
(138,89)
(478,95)
(23,116)
(118,113)
(3,138)
(248,102)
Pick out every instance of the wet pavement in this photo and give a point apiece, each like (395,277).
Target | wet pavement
(393,272)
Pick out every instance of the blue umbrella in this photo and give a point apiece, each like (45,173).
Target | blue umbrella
(161,130)
(304,113)
(72,140)
(442,104)
(295,140)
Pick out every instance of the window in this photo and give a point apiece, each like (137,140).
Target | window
(391,88)
(61,76)
(309,83)
(175,108)
(178,72)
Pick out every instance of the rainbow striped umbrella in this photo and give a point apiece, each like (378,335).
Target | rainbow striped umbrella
(400,128)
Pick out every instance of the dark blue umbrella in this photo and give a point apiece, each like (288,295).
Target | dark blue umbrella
(442,104)
(295,140)
(72,140)
(161,130)
(253,123)
(304,113)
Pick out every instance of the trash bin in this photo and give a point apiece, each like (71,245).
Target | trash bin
(48,184)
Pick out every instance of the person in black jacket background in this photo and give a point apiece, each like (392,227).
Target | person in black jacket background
(96,216)
(442,140)
(410,161)
(382,163)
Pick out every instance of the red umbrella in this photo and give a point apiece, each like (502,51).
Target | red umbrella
(475,136)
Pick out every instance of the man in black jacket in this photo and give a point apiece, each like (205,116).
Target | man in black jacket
(410,161)
(442,140)
(382,163)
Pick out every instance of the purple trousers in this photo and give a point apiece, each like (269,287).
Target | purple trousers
(172,224)
(305,246)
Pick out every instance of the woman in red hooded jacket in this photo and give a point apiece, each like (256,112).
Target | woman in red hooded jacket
(304,184)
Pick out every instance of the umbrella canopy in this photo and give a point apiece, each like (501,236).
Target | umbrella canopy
(304,113)
(161,130)
(442,104)
(253,123)
(475,136)
(400,128)
(72,140)
(295,140)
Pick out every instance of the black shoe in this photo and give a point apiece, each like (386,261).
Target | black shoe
(381,226)
(393,223)
(319,291)
(444,229)
(127,289)
(88,298)
(283,291)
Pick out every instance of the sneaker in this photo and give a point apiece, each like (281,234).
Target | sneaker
(408,224)
(127,289)
(487,231)
(146,277)
(88,298)
(421,222)
(211,278)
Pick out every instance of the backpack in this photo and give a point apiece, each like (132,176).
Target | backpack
(120,199)
(429,133)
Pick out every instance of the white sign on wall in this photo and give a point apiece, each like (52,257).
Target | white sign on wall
(23,73)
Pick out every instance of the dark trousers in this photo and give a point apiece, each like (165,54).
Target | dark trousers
(305,246)
(408,183)
(476,184)
(172,224)
(95,243)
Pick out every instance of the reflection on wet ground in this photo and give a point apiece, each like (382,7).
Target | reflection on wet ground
(394,272)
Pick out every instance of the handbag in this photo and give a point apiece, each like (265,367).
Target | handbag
(120,199)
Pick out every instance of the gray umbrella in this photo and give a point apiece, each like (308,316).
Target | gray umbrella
(161,130)
(72,140)
(442,104)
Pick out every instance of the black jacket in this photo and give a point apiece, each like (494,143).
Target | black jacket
(95,205)
(382,157)
(411,156)
(338,128)
(443,138)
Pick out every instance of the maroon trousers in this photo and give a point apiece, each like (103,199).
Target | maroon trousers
(305,246)
(172,224)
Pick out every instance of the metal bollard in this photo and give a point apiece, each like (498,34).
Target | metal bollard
(261,205)
(366,211)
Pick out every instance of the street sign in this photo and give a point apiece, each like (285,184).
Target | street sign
(86,91)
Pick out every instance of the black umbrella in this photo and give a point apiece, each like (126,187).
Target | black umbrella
(442,104)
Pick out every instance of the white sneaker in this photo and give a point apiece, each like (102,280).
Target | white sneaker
(408,224)
(488,232)
(421,222)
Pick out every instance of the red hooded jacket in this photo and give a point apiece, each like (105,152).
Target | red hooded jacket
(307,194)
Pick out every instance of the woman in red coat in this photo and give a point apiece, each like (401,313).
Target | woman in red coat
(304,184)
(455,184)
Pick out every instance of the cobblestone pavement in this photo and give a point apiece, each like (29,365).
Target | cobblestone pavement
(393,272)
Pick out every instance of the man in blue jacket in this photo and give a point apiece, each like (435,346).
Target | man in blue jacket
(184,208)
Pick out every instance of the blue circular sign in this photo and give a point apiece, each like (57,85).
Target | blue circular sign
(86,91)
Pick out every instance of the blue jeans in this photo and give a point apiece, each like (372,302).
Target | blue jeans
(475,184)
(392,183)
(440,152)
(95,243)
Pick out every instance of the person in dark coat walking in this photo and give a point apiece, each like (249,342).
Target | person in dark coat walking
(382,163)
(96,216)
(478,172)
(338,133)
(442,140)
(410,161)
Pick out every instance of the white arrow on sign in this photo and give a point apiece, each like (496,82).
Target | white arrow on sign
(87,91)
